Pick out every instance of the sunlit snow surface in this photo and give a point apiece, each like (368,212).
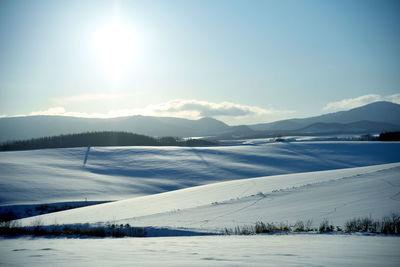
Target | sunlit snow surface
(220,187)
(337,195)
(271,250)
(57,175)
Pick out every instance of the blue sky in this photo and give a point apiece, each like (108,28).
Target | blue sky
(238,61)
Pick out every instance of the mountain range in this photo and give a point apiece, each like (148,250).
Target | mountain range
(369,119)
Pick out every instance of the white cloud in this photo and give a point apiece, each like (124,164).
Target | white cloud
(198,108)
(50,111)
(228,112)
(394,98)
(190,109)
(350,103)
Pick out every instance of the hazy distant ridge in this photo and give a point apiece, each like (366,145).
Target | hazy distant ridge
(383,112)
(21,128)
(372,118)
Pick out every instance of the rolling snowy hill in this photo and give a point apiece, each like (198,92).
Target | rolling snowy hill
(312,185)
(115,173)
(337,195)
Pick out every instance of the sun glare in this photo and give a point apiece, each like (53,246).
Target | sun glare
(114,44)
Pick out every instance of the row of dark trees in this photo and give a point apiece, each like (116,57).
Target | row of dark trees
(390,136)
(100,139)
(109,138)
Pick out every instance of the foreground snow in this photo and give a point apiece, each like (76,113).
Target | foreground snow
(312,186)
(270,250)
(338,195)
(58,175)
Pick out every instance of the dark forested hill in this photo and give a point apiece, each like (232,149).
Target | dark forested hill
(100,139)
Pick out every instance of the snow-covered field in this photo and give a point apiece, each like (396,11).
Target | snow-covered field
(58,175)
(270,250)
(207,189)
(337,195)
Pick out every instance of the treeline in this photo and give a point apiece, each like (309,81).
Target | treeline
(390,136)
(106,138)
(73,230)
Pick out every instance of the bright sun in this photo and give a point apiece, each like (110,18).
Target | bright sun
(115,46)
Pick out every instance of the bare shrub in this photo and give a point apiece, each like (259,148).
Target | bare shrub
(325,226)
(387,225)
(308,226)
(299,226)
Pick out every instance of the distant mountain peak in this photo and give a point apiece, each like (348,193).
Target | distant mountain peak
(379,112)
(210,119)
(213,123)
(375,105)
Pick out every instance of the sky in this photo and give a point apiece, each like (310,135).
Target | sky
(242,62)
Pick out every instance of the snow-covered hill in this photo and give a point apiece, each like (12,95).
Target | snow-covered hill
(237,185)
(337,195)
(58,175)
